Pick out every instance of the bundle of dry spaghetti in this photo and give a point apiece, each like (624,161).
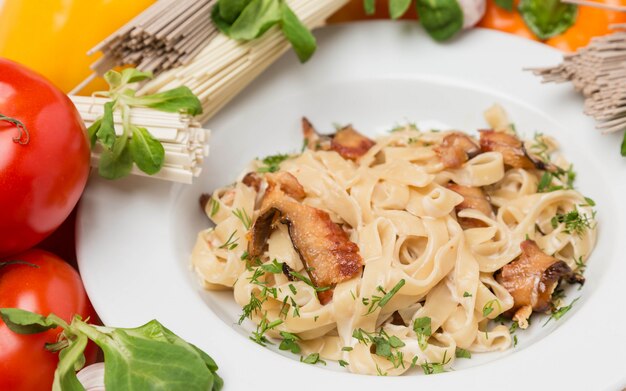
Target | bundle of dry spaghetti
(184,140)
(598,71)
(166,35)
(225,66)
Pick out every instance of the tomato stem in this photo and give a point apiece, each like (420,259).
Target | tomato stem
(17,262)
(23,136)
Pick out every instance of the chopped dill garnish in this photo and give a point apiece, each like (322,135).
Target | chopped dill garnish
(560,312)
(258,336)
(289,342)
(313,358)
(215,206)
(462,353)
(422,327)
(380,301)
(488,307)
(243,216)
(231,242)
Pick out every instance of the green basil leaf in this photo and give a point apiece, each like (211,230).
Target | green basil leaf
(219,22)
(397,8)
(298,34)
(132,75)
(152,357)
(623,149)
(117,162)
(256,19)
(505,4)
(106,131)
(25,322)
(70,360)
(172,101)
(370,6)
(548,18)
(147,152)
(93,130)
(230,10)
(442,19)
(113,78)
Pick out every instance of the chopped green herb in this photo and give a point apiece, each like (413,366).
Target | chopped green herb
(386,345)
(289,342)
(514,340)
(293,290)
(380,301)
(347,348)
(560,312)
(422,327)
(243,216)
(273,267)
(252,307)
(467,294)
(215,206)
(462,353)
(308,281)
(272,163)
(231,242)
(313,358)
(343,363)
(258,336)
(589,202)
(488,307)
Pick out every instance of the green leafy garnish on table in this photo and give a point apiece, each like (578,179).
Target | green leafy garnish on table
(246,20)
(441,19)
(136,145)
(548,18)
(143,358)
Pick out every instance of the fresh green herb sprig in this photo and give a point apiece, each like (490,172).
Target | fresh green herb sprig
(462,353)
(567,178)
(136,145)
(135,359)
(246,20)
(488,307)
(574,221)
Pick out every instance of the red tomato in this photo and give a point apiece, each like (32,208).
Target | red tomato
(42,174)
(51,287)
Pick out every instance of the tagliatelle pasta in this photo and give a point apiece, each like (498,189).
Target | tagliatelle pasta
(436,271)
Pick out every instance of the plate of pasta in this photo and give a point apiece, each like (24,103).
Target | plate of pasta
(427,210)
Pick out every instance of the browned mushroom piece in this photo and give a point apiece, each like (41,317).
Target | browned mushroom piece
(473,198)
(455,149)
(287,183)
(314,140)
(325,249)
(253,180)
(531,279)
(350,144)
(511,148)
(347,142)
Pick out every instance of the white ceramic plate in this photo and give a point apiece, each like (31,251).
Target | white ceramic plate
(135,235)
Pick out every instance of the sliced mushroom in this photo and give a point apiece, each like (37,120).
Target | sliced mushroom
(325,249)
(287,183)
(511,148)
(531,279)
(314,140)
(473,198)
(253,180)
(455,149)
(350,144)
(347,142)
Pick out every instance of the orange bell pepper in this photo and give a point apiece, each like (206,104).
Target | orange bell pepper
(590,22)
(498,18)
(53,36)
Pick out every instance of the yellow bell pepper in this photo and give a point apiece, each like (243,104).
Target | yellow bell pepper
(53,36)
